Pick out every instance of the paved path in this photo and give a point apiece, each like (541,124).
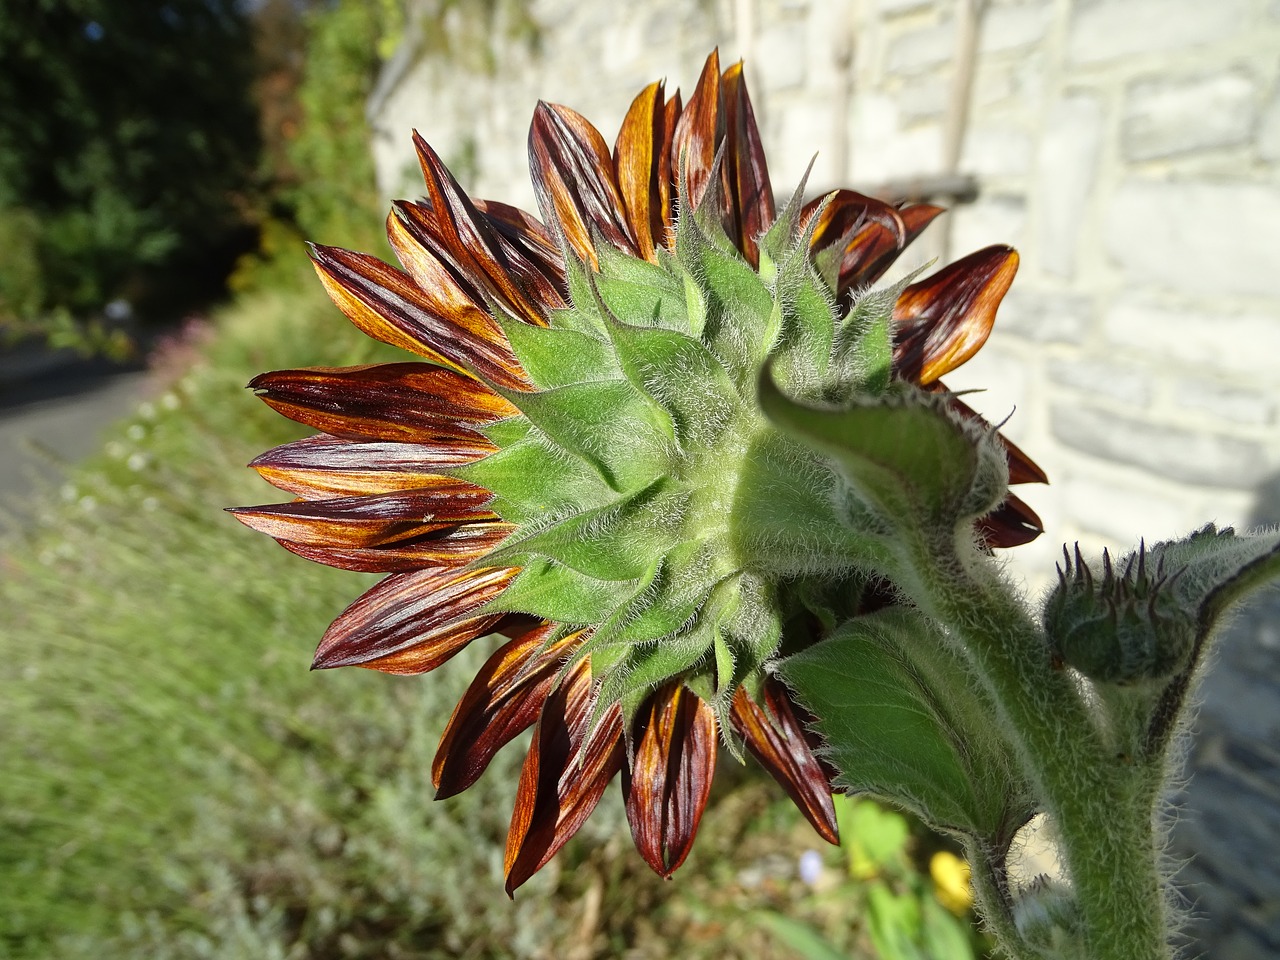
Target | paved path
(53,410)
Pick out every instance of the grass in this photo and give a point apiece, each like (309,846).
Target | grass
(178,785)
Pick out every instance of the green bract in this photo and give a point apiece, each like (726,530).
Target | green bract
(652,497)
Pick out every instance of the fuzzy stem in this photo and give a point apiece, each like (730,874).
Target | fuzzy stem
(1101,804)
(991,889)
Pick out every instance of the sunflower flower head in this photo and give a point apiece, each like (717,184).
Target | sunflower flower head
(582,458)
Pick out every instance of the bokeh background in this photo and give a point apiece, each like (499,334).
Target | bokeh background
(173,783)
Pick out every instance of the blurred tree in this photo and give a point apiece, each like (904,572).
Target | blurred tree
(128,142)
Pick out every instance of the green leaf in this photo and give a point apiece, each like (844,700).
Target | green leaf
(807,322)
(903,721)
(1219,567)
(804,940)
(894,924)
(946,936)
(903,453)
(877,837)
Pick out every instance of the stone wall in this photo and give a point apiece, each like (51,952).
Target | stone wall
(1130,149)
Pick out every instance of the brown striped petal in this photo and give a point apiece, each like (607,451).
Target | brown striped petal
(942,321)
(450,546)
(780,742)
(386,304)
(503,701)
(870,267)
(460,241)
(1011,524)
(563,777)
(869,233)
(369,521)
(667,783)
(1022,469)
(635,164)
(324,466)
(573,180)
(699,132)
(408,402)
(526,232)
(413,622)
(752,207)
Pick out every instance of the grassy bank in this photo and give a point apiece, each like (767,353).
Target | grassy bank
(178,785)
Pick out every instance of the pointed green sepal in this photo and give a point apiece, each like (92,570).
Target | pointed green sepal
(558,357)
(616,541)
(607,423)
(554,592)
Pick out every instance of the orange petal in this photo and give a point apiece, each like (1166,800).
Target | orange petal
(503,701)
(388,305)
(413,622)
(667,170)
(780,742)
(752,207)
(372,520)
(667,783)
(324,466)
(635,164)
(450,546)
(563,778)
(411,402)
(573,179)
(942,321)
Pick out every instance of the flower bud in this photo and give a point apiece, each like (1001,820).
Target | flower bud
(1123,628)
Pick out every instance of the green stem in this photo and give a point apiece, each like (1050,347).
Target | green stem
(991,888)
(1102,805)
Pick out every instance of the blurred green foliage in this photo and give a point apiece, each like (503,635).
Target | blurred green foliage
(128,140)
(178,786)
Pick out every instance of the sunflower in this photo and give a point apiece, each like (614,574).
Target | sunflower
(577,461)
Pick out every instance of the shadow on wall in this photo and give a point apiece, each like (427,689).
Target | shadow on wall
(1229,831)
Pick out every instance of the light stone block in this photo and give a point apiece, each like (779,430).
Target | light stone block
(923,49)
(1014,27)
(1164,118)
(922,98)
(992,151)
(991,219)
(1101,378)
(1229,342)
(896,8)
(1230,404)
(1187,456)
(781,56)
(1205,238)
(1269,131)
(1067,167)
(1110,29)
(1044,316)
(1120,510)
